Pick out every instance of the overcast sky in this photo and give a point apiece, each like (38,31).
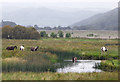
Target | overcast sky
(98,6)
(80,4)
(60,1)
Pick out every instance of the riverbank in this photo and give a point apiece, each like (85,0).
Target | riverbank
(59,76)
(109,65)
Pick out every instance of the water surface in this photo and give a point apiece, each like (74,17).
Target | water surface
(80,66)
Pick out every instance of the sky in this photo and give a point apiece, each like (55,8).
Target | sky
(60,4)
(98,6)
(60,1)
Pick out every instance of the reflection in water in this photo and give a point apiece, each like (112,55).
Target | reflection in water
(80,66)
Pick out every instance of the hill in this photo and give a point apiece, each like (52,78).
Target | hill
(4,23)
(45,16)
(103,21)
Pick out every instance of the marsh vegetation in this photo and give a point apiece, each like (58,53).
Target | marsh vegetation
(53,51)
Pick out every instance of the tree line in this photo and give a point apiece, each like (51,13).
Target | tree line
(60,34)
(21,32)
(54,28)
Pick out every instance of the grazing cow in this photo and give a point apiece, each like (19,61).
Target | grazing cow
(104,49)
(74,59)
(34,48)
(11,48)
(22,47)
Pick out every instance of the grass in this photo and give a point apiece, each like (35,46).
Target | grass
(51,51)
(109,65)
(80,47)
(59,76)
(87,48)
(35,63)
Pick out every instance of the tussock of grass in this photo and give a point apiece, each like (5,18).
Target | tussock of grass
(109,65)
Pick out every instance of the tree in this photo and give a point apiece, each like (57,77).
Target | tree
(53,35)
(60,34)
(68,35)
(34,35)
(43,34)
(7,32)
(20,32)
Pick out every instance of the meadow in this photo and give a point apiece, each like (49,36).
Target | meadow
(26,64)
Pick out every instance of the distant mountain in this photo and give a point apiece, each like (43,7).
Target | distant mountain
(12,24)
(4,23)
(45,16)
(104,21)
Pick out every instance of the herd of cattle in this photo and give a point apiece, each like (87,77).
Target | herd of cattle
(22,48)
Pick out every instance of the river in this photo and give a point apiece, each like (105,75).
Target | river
(80,66)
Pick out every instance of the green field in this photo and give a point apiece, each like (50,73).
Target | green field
(26,64)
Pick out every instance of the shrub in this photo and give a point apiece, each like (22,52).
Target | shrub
(53,35)
(90,35)
(68,35)
(43,34)
(60,34)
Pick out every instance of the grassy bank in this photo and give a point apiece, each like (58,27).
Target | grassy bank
(109,65)
(59,76)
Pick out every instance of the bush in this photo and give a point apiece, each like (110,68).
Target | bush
(60,34)
(90,35)
(53,35)
(43,34)
(68,35)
